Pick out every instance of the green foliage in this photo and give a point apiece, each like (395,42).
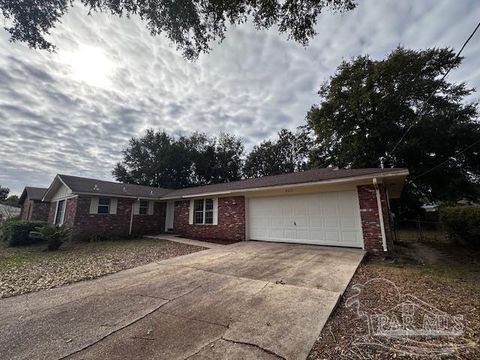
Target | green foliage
(191,25)
(157,159)
(462,224)
(4,193)
(12,200)
(17,232)
(288,153)
(54,235)
(367,105)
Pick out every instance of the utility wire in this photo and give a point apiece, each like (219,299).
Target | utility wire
(434,91)
(446,161)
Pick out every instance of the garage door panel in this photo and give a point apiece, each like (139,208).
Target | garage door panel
(332,222)
(302,235)
(317,235)
(301,221)
(330,218)
(277,222)
(316,222)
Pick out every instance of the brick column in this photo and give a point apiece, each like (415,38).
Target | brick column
(369,214)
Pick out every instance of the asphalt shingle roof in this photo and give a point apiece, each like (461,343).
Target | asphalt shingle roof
(86,185)
(33,193)
(307,176)
(92,186)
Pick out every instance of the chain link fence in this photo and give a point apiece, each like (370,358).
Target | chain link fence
(420,230)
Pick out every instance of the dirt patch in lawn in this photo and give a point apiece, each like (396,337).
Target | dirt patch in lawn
(437,285)
(28,269)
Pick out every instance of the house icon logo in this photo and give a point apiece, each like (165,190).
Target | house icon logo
(404,324)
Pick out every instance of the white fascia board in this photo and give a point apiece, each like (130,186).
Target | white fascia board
(288,186)
(57,177)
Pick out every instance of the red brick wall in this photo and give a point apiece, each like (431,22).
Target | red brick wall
(70,212)
(89,225)
(372,235)
(34,210)
(231,221)
(86,225)
(151,224)
(40,211)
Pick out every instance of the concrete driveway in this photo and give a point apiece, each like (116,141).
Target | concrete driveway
(249,300)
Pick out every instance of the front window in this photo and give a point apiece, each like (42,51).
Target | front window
(203,211)
(104,206)
(143,210)
(60,212)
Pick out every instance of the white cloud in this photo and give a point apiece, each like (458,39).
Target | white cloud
(73,111)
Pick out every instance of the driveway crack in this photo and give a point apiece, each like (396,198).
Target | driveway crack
(254,345)
(127,325)
(203,347)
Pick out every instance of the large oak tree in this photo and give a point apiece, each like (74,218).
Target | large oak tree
(288,153)
(368,105)
(190,24)
(158,159)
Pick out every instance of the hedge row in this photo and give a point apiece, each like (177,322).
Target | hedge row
(17,232)
(462,224)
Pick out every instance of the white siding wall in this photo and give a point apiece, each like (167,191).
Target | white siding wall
(62,192)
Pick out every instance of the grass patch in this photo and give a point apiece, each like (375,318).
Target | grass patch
(425,235)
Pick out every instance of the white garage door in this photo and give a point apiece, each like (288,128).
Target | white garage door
(327,218)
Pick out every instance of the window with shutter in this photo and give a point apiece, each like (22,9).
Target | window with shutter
(103,206)
(203,211)
(143,209)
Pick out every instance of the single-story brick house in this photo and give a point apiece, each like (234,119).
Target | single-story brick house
(33,208)
(335,207)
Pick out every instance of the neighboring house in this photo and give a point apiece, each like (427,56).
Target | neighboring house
(33,208)
(335,207)
(8,211)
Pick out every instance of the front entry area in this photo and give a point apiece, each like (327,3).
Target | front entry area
(322,218)
(169,216)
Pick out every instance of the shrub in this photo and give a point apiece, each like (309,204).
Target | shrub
(54,235)
(462,224)
(17,232)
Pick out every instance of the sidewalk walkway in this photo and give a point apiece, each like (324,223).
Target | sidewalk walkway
(175,238)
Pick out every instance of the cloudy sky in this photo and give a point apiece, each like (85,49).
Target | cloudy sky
(74,111)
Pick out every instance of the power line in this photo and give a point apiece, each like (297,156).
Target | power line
(433,92)
(446,161)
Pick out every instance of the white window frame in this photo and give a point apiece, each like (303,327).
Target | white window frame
(60,222)
(204,211)
(103,205)
(146,207)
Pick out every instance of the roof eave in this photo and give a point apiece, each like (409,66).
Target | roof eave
(118,195)
(397,173)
